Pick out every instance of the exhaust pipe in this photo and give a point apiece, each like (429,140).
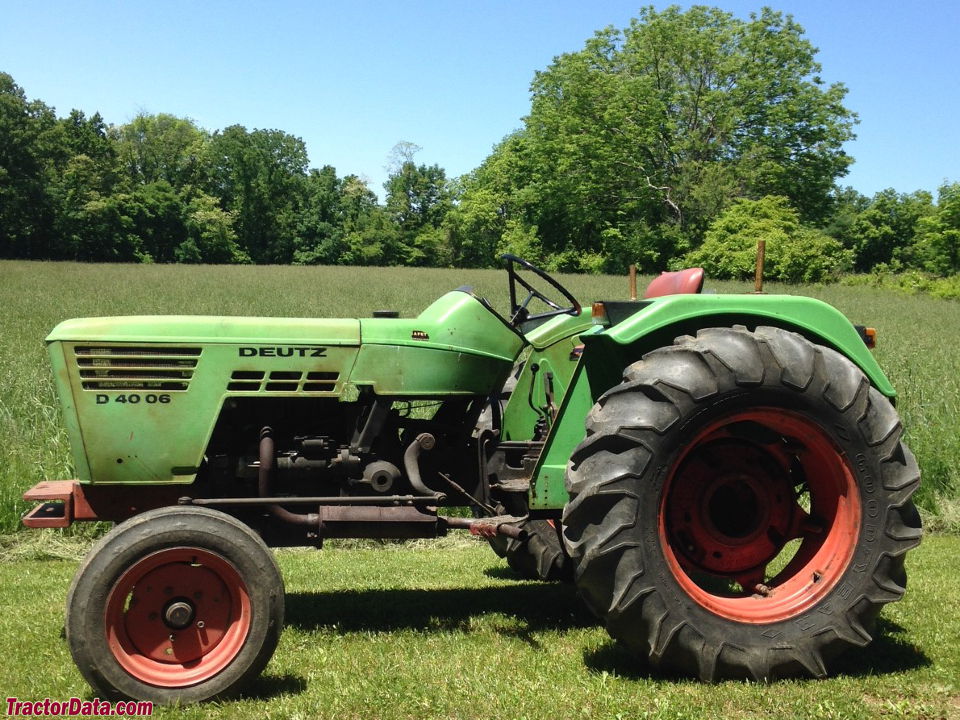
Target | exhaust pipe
(267,455)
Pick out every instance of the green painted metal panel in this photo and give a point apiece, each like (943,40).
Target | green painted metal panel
(547,489)
(209,329)
(519,418)
(457,321)
(457,346)
(813,318)
(552,343)
(141,395)
(557,328)
(144,412)
(68,409)
(427,371)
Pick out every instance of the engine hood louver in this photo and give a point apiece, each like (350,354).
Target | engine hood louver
(136,367)
(282,381)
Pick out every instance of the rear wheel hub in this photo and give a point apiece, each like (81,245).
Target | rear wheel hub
(730,507)
(759,515)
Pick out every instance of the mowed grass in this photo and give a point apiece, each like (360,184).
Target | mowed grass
(442,629)
(918,346)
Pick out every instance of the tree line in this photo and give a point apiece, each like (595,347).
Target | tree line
(682,138)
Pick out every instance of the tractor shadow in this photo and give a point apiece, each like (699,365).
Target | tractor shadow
(501,573)
(889,653)
(540,606)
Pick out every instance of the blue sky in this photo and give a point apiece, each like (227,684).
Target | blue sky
(354,78)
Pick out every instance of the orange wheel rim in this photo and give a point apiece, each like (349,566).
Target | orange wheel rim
(760,515)
(177,617)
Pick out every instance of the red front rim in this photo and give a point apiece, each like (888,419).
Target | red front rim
(177,617)
(760,516)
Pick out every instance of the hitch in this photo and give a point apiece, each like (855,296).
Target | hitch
(488,527)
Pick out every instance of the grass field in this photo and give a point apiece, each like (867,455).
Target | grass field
(443,630)
(918,345)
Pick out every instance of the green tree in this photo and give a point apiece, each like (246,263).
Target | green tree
(418,200)
(496,193)
(794,253)
(320,222)
(154,148)
(80,184)
(884,232)
(370,236)
(847,205)
(210,237)
(90,137)
(936,245)
(260,178)
(635,143)
(84,170)
(158,213)
(31,144)
(103,229)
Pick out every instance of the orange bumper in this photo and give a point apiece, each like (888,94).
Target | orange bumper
(63,502)
(57,504)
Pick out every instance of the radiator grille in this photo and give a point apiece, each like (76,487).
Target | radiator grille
(135,367)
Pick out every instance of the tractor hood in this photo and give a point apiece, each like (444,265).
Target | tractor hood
(123,382)
(457,321)
(208,330)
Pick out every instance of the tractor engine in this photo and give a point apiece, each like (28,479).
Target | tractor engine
(320,447)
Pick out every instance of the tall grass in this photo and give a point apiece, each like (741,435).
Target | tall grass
(917,348)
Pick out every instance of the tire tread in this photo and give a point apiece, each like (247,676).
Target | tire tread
(623,432)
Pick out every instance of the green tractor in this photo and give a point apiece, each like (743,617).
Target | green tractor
(722,476)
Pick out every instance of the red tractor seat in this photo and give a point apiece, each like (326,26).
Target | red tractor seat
(681,282)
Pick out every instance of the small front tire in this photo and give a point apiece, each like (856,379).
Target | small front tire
(175,605)
(541,556)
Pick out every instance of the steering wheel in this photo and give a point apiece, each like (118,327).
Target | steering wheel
(518,311)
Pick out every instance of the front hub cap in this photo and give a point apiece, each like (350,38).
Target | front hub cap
(179,614)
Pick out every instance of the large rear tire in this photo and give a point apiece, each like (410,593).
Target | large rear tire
(175,605)
(740,507)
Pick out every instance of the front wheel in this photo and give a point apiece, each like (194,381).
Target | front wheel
(740,507)
(175,605)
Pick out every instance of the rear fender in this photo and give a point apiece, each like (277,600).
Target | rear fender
(607,353)
(657,323)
